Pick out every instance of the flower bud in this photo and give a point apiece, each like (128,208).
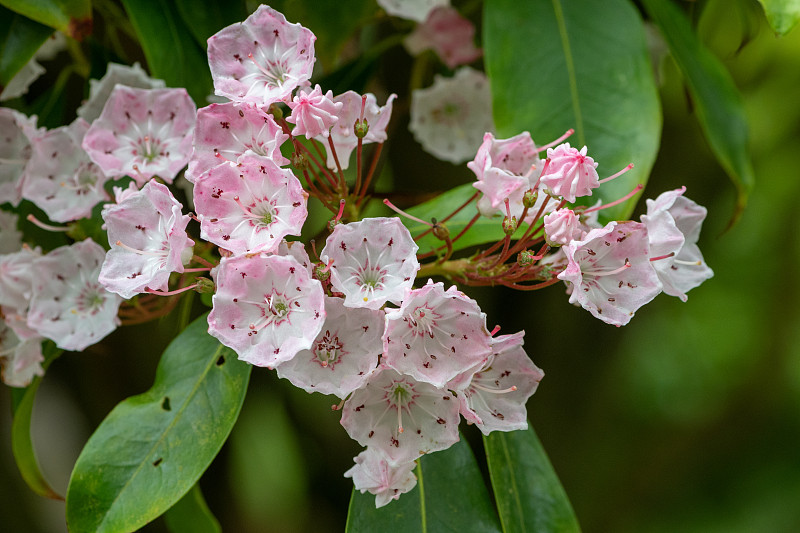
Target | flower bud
(440,231)
(361,128)
(204,286)
(299,161)
(276,111)
(529,198)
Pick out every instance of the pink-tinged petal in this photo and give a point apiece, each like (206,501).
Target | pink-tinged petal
(266,307)
(10,236)
(250,207)
(411,9)
(148,239)
(562,226)
(261,60)
(372,473)
(313,113)
(344,354)
(69,306)
(571,173)
(435,335)
(100,90)
(448,34)
(16,277)
(611,272)
(450,117)
(400,417)
(16,133)
(20,359)
(225,133)
(374,261)
(142,133)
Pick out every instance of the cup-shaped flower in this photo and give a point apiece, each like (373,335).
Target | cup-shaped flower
(69,305)
(227,132)
(267,308)
(495,398)
(372,473)
(342,132)
(610,272)
(60,178)
(148,239)
(100,90)
(450,117)
(261,60)
(673,226)
(571,173)
(20,359)
(142,133)
(435,335)
(344,354)
(373,261)
(313,113)
(250,207)
(15,151)
(401,418)
(448,34)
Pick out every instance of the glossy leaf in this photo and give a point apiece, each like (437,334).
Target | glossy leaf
(153,447)
(782,15)
(191,515)
(21,440)
(450,496)
(529,495)
(71,17)
(581,64)
(204,18)
(718,103)
(20,37)
(172,52)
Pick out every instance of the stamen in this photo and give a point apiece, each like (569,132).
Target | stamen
(140,252)
(660,257)
(396,209)
(618,174)
(494,331)
(615,202)
(687,263)
(615,271)
(44,226)
(399,418)
(557,141)
(495,391)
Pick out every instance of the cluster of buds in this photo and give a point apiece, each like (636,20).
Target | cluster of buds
(407,363)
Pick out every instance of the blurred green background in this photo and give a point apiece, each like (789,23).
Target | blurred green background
(688,419)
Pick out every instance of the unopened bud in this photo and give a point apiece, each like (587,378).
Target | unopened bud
(361,128)
(276,111)
(204,286)
(439,231)
(509,225)
(529,198)
(299,161)
(525,258)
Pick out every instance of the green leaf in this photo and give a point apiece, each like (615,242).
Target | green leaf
(527,491)
(21,441)
(450,496)
(191,515)
(580,64)
(20,37)
(782,15)
(204,18)
(170,49)
(73,18)
(153,447)
(718,103)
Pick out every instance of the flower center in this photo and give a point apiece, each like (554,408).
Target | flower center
(328,350)
(90,299)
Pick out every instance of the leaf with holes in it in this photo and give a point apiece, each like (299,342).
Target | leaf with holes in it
(578,64)
(152,448)
(73,18)
(450,496)
(528,493)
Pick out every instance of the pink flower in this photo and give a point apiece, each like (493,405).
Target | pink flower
(60,177)
(610,272)
(267,308)
(372,473)
(401,418)
(69,305)
(449,34)
(344,354)
(673,226)
(16,277)
(20,359)
(571,173)
(227,132)
(142,133)
(450,117)
(100,90)
(261,60)
(411,9)
(15,151)
(148,239)
(342,134)
(250,207)
(495,398)
(374,261)
(562,226)
(435,335)
(313,113)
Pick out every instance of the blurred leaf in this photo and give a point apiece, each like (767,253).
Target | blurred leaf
(73,18)
(20,37)
(528,493)
(450,496)
(718,104)
(204,18)
(554,66)
(21,441)
(191,515)
(153,447)
(171,51)
(782,15)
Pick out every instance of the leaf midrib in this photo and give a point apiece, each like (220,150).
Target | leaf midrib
(570,65)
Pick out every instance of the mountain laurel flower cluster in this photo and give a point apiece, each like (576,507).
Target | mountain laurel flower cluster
(363,319)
